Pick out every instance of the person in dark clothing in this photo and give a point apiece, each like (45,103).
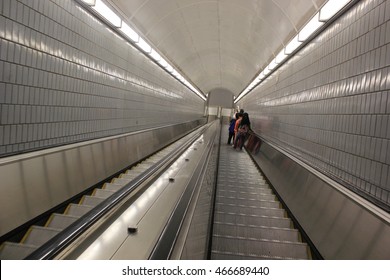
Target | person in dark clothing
(243,129)
(231,128)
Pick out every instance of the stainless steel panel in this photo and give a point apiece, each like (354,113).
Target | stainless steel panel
(33,183)
(339,223)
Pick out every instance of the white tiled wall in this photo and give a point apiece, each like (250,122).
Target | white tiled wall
(330,104)
(64,77)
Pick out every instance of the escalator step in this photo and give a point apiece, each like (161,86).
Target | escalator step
(38,235)
(258,211)
(252,220)
(112,187)
(249,247)
(247,191)
(60,221)
(15,251)
(249,202)
(240,256)
(222,193)
(253,232)
(91,200)
(102,193)
(77,210)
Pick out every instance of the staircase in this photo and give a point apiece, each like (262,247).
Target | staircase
(249,221)
(36,236)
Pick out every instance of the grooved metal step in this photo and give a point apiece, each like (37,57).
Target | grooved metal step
(258,197)
(258,211)
(231,185)
(248,191)
(37,235)
(60,221)
(256,232)
(249,202)
(236,246)
(77,210)
(239,256)
(252,220)
(128,176)
(15,251)
(249,221)
(243,195)
(112,187)
(91,200)
(123,181)
(102,193)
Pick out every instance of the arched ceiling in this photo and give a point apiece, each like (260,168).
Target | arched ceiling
(218,43)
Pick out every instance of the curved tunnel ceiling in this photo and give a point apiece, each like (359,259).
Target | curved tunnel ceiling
(218,43)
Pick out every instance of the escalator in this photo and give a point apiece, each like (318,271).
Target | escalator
(249,221)
(37,235)
(246,222)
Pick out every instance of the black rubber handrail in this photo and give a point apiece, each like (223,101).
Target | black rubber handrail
(52,247)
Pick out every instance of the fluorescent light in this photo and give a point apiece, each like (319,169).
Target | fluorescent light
(89,2)
(176,74)
(107,13)
(292,46)
(331,8)
(112,18)
(266,71)
(310,28)
(261,76)
(169,68)
(258,79)
(155,55)
(143,45)
(129,32)
(162,62)
(280,57)
(272,65)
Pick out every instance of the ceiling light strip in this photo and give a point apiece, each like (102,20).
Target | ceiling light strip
(100,9)
(325,14)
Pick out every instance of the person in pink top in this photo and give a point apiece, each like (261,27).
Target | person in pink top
(239,115)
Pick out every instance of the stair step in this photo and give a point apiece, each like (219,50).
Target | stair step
(77,210)
(253,182)
(246,196)
(60,221)
(91,200)
(37,235)
(231,186)
(102,193)
(259,248)
(249,203)
(122,181)
(256,232)
(259,211)
(112,187)
(144,165)
(15,251)
(128,176)
(246,191)
(229,256)
(252,220)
